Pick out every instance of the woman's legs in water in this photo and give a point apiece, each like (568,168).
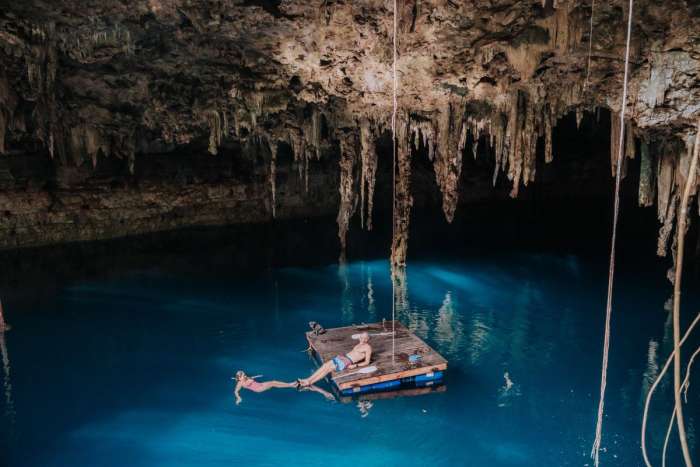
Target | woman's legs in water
(275,384)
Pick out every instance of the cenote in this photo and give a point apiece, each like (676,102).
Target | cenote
(349,233)
(128,360)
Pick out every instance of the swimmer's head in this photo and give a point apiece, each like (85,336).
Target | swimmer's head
(363,338)
(239,375)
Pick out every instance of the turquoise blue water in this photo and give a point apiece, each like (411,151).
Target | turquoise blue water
(135,369)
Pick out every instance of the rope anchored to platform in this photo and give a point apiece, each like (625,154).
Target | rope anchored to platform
(393,186)
(595,451)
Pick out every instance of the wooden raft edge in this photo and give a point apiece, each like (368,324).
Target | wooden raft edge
(391,376)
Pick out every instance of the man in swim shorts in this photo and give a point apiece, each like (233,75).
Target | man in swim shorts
(359,356)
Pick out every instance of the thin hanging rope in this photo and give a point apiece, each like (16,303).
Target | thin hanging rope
(590,47)
(393,191)
(595,451)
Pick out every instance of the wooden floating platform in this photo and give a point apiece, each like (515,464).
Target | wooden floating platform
(405,361)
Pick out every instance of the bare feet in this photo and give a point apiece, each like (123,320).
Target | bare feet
(303,383)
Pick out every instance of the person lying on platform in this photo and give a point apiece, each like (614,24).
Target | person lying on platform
(359,356)
(248,382)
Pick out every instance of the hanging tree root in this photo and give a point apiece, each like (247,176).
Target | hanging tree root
(647,402)
(668,437)
(677,414)
(681,230)
(684,387)
(686,380)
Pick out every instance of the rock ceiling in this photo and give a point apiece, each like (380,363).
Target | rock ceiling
(128,78)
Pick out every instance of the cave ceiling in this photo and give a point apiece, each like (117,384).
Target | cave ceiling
(118,78)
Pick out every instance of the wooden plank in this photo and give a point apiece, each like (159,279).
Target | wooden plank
(390,358)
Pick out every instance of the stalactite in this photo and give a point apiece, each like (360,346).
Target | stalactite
(521,141)
(498,142)
(579,117)
(529,146)
(666,227)
(548,157)
(424,130)
(93,144)
(615,132)
(646,177)
(216,131)
(256,107)
(3,129)
(369,172)
(512,139)
(664,181)
(667,195)
(402,194)
(451,138)
(315,134)
(629,140)
(298,143)
(273,177)
(348,157)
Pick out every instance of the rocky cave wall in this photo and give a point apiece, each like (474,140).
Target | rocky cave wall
(120,117)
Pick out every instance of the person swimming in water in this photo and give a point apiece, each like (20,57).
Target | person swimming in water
(248,382)
(359,356)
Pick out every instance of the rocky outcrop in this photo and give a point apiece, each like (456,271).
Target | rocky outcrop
(92,85)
